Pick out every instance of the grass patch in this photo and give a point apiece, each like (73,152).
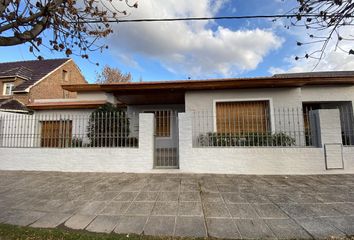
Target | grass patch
(10,232)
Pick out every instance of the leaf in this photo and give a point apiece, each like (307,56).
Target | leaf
(351,52)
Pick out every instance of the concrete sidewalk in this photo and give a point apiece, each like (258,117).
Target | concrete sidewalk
(221,206)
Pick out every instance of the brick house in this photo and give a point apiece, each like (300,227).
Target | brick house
(24,81)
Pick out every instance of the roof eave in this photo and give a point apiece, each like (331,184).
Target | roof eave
(220,84)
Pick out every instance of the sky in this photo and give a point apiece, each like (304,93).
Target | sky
(203,49)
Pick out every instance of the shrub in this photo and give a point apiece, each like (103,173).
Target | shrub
(108,126)
(245,139)
(76,142)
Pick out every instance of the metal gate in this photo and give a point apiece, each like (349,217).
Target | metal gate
(166,139)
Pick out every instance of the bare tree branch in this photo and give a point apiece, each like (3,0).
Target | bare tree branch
(330,17)
(66,21)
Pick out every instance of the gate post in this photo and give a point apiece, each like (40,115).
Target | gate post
(330,137)
(146,136)
(185,138)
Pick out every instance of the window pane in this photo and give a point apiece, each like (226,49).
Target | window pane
(8,88)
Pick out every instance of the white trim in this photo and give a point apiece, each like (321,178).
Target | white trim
(13,76)
(4,88)
(271,109)
(9,110)
(40,80)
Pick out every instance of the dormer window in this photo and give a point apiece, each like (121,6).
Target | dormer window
(8,87)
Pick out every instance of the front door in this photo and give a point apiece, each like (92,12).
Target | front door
(166,139)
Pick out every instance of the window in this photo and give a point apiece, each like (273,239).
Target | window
(242,117)
(55,134)
(65,76)
(162,123)
(8,87)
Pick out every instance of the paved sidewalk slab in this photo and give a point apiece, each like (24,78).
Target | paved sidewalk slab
(79,221)
(320,229)
(345,224)
(287,229)
(23,218)
(254,229)
(266,210)
(222,228)
(115,208)
(165,209)
(190,227)
(51,220)
(140,208)
(190,209)
(131,224)
(160,226)
(104,224)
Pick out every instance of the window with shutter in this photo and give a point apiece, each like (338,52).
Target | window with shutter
(242,117)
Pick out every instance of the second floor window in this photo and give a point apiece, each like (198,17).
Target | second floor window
(8,87)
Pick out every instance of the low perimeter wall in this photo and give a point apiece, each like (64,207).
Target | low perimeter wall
(86,159)
(260,160)
(192,160)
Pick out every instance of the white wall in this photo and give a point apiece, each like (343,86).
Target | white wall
(327,93)
(85,159)
(253,160)
(94,96)
(281,97)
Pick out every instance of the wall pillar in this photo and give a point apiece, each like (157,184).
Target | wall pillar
(330,137)
(329,126)
(185,140)
(146,136)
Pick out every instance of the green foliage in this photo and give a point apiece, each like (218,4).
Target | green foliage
(108,126)
(246,139)
(76,142)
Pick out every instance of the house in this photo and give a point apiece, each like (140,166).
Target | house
(24,81)
(284,124)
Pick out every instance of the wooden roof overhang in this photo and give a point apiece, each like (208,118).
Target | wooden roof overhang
(172,92)
(66,105)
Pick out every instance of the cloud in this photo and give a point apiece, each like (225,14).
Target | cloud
(197,49)
(335,58)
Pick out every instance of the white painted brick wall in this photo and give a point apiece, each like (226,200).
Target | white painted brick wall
(192,160)
(85,159)
(252,160)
